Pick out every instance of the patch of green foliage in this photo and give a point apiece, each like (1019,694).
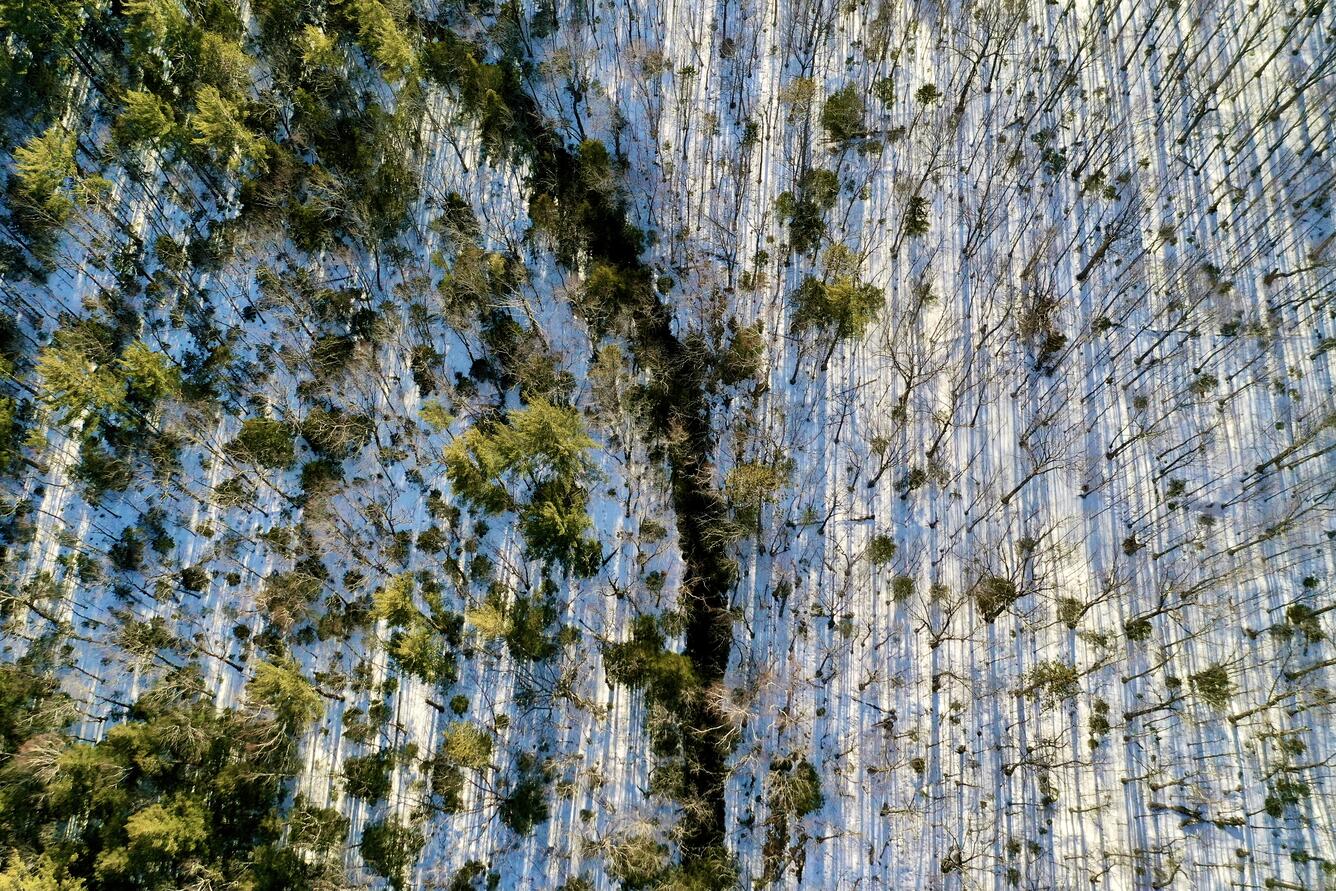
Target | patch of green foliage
(535,465)
(369,776)
(176,790)
(390,849)
(467,745)
(881,550)
(525,804)
(667,678)
(422,638)
(804,209)
(264,441)
(841,301)
(842,115)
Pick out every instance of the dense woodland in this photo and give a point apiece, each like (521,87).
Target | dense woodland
(834,444)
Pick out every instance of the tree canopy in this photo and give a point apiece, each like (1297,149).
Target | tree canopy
(535,464)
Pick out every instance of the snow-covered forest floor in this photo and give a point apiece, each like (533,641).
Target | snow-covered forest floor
(1000,357)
